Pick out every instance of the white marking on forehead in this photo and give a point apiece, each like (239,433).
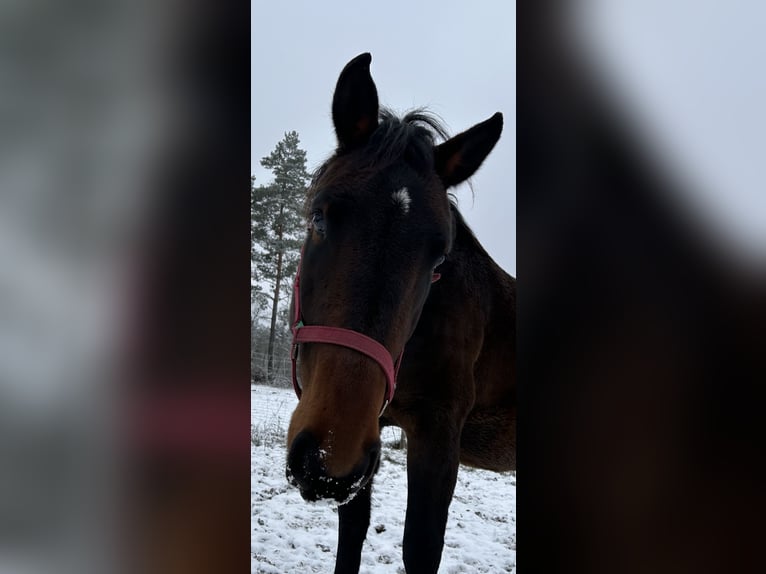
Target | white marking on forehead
(402,199)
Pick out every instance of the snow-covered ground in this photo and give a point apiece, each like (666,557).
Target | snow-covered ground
(289,535)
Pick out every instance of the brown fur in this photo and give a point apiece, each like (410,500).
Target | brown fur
(367,266)
(342,416)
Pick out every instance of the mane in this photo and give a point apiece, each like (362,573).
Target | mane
(414,134)
(410,137)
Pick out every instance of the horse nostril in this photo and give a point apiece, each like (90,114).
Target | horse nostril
(303,464)
(306,470)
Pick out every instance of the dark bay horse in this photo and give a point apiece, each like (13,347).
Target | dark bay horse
(394,289)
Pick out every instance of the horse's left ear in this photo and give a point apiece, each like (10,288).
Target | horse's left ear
(355,104)
(458,158)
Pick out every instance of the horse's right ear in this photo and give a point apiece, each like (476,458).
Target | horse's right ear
(355,104)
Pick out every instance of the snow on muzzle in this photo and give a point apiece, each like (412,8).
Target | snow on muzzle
(306,470)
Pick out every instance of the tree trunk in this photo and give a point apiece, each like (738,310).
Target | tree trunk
(274,309)
(275,305)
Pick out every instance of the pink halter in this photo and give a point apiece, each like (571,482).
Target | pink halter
(344,338)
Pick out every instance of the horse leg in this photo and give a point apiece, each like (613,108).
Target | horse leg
(353,520)
(432,464)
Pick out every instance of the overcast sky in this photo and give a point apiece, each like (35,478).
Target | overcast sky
(457,58)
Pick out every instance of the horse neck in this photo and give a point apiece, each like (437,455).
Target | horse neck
(465,244)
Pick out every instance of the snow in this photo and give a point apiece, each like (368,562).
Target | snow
(291,535)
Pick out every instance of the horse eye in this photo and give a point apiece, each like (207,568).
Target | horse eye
(317,221)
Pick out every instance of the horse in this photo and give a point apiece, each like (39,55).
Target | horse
(394,292)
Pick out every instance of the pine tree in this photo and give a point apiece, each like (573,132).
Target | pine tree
(278,226)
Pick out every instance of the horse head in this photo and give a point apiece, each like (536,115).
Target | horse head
(380,229)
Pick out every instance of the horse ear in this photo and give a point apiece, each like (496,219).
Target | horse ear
(458,158)
(355,103)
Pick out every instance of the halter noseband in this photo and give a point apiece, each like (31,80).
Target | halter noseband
(344,338)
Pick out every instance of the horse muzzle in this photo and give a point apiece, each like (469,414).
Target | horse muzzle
(306,470)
